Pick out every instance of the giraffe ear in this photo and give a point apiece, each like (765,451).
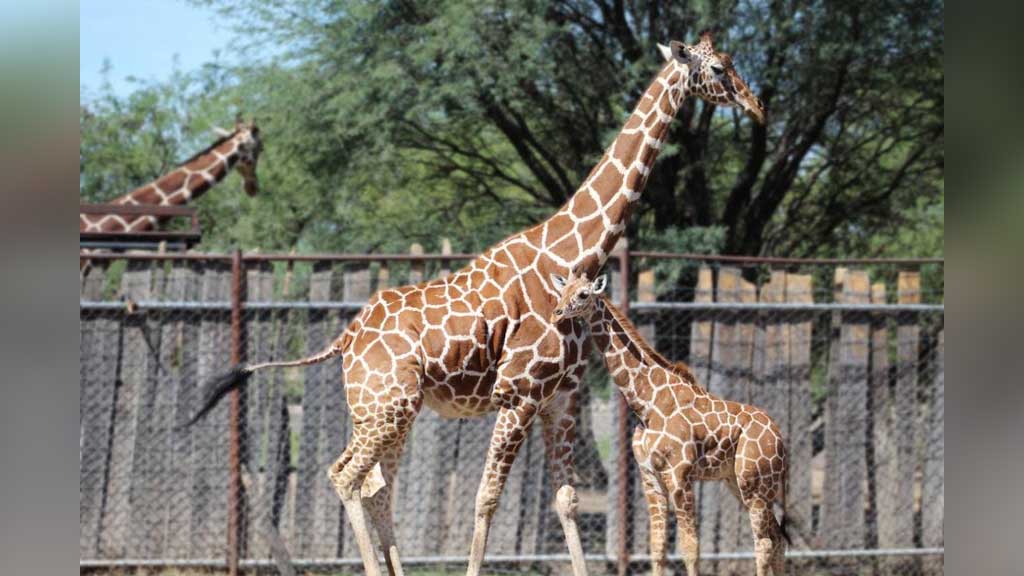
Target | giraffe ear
(599,284)
(221,132)
(666,52)
(675,49)
(558,282)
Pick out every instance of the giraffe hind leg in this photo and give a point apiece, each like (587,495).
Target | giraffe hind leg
(374,439)
(379,507)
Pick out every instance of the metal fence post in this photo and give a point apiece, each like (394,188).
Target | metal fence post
(625,491)
(234,473)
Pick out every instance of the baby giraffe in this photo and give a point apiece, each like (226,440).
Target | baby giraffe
(685,433)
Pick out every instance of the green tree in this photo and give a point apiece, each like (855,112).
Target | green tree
(390,122)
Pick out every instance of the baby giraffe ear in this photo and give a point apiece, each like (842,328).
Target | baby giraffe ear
(666,52)
(558,282)
(599,284)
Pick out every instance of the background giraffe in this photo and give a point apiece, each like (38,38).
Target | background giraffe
(685,433)
(236,149)
(480,339)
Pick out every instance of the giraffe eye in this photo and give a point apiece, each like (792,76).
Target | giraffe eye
(717,68)
(584,295)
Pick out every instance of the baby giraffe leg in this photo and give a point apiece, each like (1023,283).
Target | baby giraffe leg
(762,523)
(686,523)
(657,506)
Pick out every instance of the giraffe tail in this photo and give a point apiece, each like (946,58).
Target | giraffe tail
(785,520)
(238,377)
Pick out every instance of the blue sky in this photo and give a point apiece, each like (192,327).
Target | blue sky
(142,37)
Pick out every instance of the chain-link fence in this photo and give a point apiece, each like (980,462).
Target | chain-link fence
(847,357)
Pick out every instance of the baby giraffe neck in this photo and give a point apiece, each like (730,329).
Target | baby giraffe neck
(629,359)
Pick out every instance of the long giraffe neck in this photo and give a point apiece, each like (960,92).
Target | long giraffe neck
(183,184)
(635,367)
(588,226)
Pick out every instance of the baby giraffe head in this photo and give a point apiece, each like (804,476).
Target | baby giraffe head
(577,295)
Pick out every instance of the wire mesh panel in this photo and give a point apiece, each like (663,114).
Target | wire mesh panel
(848,362)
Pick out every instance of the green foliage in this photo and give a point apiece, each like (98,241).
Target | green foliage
(696,240)
(388,123)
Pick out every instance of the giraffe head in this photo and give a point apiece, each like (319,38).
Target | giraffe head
(248,147)
(712,76)
(577,295)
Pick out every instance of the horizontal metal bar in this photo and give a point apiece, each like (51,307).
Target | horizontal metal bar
(782,260)
(788,307)
(495,559)
(214,257)
(218,305)
(639,306)
(466,256)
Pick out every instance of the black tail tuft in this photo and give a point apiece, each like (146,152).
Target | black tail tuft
(782,528)
(218,388)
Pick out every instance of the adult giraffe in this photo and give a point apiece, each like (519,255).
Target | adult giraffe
(481,340)
(233,149)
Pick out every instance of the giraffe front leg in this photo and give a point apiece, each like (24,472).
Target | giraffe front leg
(510,430)
(657,505)
(686,522)
(559,421)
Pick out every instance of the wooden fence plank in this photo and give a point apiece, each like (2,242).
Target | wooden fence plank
(277,460)
(843,516)
(131,375)
(152,426)
(210,447)
(887,514)
(905,411)
(933,483)
(258,326)
(179,354)
(797,424)
(97,371)
(318,511)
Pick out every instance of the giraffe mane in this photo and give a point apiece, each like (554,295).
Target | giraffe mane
(207,150)
(678,368)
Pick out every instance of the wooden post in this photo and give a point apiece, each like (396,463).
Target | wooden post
(416,267)
(843,518)
(799,436)
(623,456)
(234,522)
(700,328)
(770,390)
